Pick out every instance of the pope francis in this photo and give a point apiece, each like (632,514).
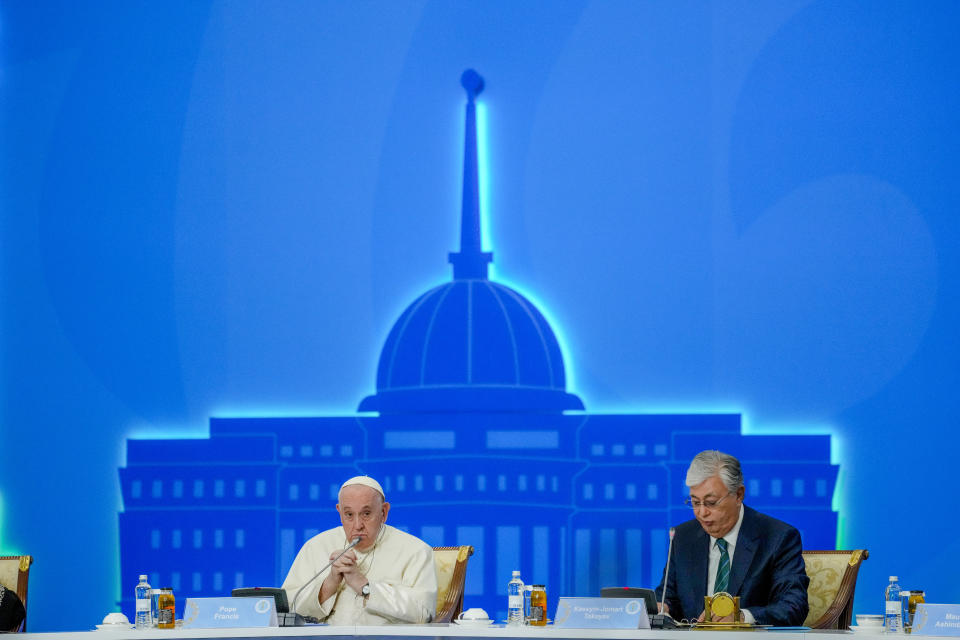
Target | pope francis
(388,577)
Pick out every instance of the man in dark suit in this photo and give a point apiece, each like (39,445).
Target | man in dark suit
(12,612)
(732,548)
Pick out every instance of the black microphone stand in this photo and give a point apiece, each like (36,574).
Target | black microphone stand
(294,619)
(663,620)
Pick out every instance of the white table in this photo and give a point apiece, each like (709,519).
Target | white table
(441,631)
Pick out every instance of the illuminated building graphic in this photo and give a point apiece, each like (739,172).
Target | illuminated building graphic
(475,439)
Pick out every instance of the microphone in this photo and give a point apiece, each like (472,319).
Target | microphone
(663,620)
(294,619)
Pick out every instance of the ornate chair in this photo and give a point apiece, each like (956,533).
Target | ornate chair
(14,572)
(833,578)
(451,576)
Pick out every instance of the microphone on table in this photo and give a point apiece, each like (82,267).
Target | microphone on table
(294,619)
(663,620)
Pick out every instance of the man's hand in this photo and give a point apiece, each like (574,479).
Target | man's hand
(728,618)
(663,608)
(334,571)
(347,567)
(332,581)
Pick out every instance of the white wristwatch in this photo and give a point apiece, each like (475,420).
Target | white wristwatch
(365,591)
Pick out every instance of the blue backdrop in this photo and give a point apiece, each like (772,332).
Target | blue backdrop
(220,209)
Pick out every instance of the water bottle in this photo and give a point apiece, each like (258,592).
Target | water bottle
(143,604)
(515,601)
(893,611)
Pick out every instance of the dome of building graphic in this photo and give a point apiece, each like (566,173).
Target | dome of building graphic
(471,344)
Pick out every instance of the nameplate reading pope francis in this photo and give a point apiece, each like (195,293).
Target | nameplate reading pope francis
(229,613)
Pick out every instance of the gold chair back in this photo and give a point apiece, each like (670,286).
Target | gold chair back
(833,579)
(451,565)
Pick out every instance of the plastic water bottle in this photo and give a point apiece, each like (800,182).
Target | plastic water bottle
(893,611)
(143,604)
(515,601)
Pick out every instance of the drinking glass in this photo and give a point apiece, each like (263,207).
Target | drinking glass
(154,607)
(910,601)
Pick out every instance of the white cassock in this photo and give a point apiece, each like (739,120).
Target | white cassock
(400,568)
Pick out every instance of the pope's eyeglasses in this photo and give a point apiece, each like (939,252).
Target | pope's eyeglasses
(709,504)
(365,516)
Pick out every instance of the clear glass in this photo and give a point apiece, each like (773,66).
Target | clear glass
(910,601)
(154,609)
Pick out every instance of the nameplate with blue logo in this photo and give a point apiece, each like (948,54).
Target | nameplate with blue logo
(227,613)
(601,613)
(936,620)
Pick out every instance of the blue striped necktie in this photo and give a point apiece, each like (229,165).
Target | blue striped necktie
(723,569)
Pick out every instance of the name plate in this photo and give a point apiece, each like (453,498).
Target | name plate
(227,613)
(601,613)
(936,620)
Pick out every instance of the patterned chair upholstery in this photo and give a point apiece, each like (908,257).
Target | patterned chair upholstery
(14,573)
(833,579)
(451,577)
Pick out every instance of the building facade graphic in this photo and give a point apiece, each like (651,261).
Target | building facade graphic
(475,439)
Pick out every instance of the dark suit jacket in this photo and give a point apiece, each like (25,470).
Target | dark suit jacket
(767,573)
(12,612)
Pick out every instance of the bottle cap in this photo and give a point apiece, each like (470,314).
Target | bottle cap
(516,574)
(143,576)
(893,578)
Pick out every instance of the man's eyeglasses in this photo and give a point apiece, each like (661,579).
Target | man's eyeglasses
(709,504)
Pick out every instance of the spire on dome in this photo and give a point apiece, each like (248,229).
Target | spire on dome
(470,263)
